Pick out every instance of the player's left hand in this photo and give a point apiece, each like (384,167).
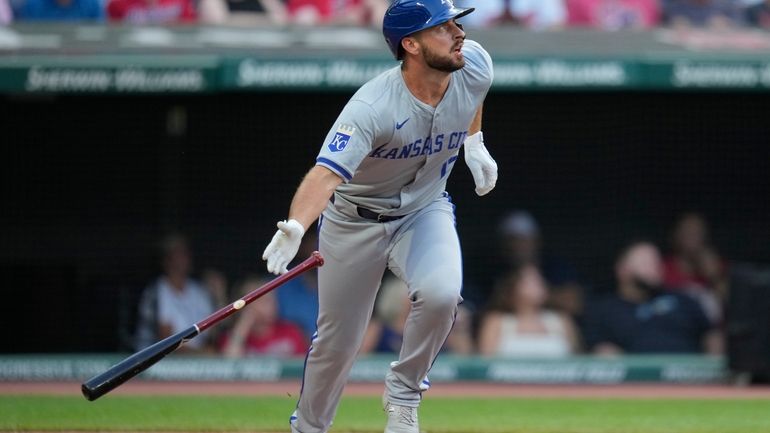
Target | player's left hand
(483,167)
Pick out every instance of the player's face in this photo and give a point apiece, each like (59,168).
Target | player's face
(441,46)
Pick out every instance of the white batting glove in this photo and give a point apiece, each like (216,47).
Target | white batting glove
(483,167)
(282,249)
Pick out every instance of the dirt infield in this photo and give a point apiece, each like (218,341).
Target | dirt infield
(456,389)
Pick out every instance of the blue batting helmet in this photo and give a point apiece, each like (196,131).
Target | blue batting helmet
(405,17)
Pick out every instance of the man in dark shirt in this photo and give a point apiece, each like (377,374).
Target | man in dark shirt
(642,317)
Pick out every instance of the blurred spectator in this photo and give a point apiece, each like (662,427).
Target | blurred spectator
(613,14)
(695,267)
(759,15)
(6,15)
(298,298)
(60,10)
(243,12)
(487,13)
(152,11)
(386,328)
(694,264)
(703,13)
(518,324)
(259,331)
(643,317)
(337,12)
(522,245)
(174,301)
(532,14)
(216,283)
(538,14)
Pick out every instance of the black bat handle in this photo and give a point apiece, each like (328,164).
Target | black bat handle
(119,373)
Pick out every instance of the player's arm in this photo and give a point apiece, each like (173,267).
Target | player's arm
(476,122)
(477,157)
(348,142)
(312,195)
(309,201)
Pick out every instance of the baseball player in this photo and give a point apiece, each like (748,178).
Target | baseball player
(378,188)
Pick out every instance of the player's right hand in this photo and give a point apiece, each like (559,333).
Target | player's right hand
(282,249)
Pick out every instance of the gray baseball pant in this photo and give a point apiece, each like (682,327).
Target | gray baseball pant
(423,250)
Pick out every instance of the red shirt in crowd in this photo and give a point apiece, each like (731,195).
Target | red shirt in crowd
(283,339)
(151,11)
(613,14)
(674,277)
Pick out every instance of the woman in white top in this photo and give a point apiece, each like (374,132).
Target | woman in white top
(517,325)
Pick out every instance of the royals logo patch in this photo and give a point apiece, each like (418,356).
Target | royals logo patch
(341,138)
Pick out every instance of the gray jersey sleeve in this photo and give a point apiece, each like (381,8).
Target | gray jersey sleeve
(350,139)
(478,67)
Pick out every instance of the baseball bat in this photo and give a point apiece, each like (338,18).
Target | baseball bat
(119,373)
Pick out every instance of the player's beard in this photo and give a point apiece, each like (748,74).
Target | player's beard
(442,63)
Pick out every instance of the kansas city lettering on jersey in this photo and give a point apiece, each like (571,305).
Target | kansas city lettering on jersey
(420,147)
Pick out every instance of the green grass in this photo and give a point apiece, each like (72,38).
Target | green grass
(266,414)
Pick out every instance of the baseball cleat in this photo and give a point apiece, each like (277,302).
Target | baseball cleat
(401,419)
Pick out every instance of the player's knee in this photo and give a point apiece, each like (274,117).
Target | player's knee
(437,303)
(438,295)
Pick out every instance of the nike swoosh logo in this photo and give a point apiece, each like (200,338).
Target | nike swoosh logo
(399,125)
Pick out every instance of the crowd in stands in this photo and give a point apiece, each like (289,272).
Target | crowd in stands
(533,14)
(538,307)
(618,14)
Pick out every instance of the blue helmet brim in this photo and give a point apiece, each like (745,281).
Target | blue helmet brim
(450,14)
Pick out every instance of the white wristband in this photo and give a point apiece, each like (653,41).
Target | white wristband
(475,141)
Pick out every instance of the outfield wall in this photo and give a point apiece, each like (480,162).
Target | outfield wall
(189,59)
(576,370)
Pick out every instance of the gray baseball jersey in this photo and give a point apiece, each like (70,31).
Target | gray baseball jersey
(394,154)
(394,151)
